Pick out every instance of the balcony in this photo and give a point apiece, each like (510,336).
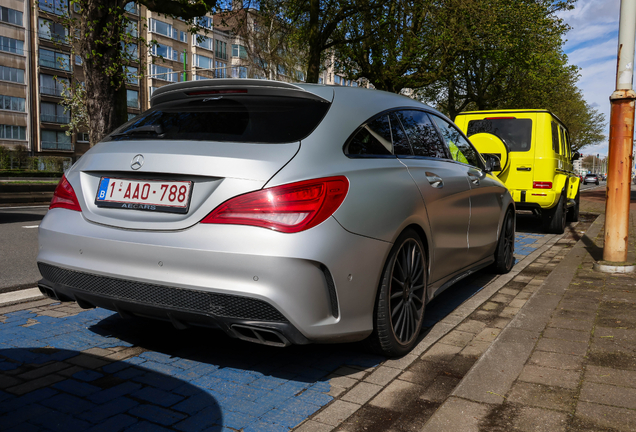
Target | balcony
(64,66)
(53,91)
(49,118)
(54,145)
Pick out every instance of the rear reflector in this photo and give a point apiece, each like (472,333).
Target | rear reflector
(64,196)
(542,185)
(288,208)
(209,92)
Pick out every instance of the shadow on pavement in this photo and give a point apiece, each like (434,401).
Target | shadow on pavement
(65,390)
(24,216)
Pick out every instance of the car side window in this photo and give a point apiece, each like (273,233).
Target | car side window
(555,138)
(564,144)
(401,146)
(422,134)
(372,139)
(459,147)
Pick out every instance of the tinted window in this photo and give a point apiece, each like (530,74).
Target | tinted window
(517,133)
(246,119)
(422,134)
(460,149)
(372,139)
(401,146)
(555,137)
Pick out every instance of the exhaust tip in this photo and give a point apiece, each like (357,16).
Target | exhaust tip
(260,335)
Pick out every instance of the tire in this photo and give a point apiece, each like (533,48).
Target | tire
(505,252)
(597,183)
(555,218)
(584,183)
(399,312)
(573,212)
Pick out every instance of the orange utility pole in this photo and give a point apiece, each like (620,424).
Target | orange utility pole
(620,140)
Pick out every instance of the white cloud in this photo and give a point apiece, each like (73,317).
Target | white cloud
(593,53)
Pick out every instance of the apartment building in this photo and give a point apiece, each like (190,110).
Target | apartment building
(14,74)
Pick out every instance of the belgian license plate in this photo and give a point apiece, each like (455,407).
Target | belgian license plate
(149,195)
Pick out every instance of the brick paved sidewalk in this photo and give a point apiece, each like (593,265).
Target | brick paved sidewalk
(567,362)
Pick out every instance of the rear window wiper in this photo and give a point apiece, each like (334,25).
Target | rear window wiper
(141,130)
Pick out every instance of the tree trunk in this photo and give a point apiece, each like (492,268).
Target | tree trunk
(315,42)
(105,89)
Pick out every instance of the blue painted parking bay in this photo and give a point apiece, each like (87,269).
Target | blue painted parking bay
(92,370)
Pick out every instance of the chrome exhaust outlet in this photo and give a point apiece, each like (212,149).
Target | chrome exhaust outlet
(260,335)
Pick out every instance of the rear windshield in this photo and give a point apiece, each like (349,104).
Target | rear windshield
(245,119)
(517,133)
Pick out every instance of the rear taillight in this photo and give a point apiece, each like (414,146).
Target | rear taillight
(542,185)
(288,208)
(64,196)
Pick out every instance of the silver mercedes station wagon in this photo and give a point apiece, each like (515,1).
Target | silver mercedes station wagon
(279,213)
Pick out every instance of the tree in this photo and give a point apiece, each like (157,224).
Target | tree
(99,37)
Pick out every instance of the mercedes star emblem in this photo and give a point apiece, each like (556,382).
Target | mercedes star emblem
(137,162)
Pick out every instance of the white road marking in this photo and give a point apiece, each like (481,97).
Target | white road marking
(30,226)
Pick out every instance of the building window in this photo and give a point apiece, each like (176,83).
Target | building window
(239,72)
(55,60)
(54,113)
(221,49)
(129,50)
(321,81)
(11,74)
(50,30)
(205,21)
(203,42)
(162,28)
(152,90)
(11,45)
(12,132)
(202,61)
(239,51)
(131,28)
(10,16)
(56,140)
(183,37)
(132,116)
(50,85)
(132,98)
(132,8)
(77,8)
(220,70)
(11,103)
(167,52)
(57,7)
(163,73)
(131,75)
(83,137)
(78,60)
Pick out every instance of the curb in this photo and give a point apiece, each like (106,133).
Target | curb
(25,295)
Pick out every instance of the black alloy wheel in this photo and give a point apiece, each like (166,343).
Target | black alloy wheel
(402,297)
(505,253)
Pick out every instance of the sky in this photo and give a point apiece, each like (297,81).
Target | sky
(592,45)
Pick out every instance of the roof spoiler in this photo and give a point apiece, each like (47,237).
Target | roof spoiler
(234,86)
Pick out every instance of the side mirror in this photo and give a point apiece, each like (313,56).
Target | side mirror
(576,156)
(493,163)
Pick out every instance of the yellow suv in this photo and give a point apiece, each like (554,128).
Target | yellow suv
(536,160)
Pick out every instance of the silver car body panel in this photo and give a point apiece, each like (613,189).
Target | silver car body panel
(231,259)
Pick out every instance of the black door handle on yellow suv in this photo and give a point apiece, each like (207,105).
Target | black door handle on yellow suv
(523,168)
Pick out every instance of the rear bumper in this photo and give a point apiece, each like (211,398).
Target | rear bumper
(530,199)
(315,286)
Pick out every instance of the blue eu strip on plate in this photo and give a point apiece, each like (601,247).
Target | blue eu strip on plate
(103,188)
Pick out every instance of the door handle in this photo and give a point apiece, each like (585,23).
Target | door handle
(435,180)
(473,179)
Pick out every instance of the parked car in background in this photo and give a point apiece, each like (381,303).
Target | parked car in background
(279,213)
(536,159)
(591,178)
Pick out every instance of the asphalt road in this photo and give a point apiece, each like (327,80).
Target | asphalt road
(19,246)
